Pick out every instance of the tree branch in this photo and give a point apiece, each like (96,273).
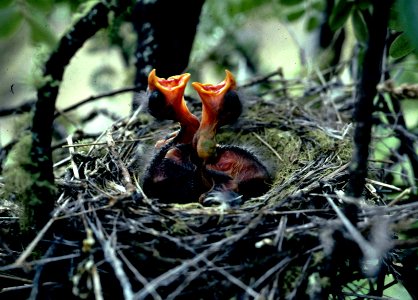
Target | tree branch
(41,154)
(366,92)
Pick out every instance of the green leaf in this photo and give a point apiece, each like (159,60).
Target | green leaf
(394,22)
(295,15)
(39,29)
(43,5)
(364,4)
(400,47)
(359,25)
(290,2)
(10,19)
(340,14)
(312,23)
(318,6)
(408,9)
(5,3)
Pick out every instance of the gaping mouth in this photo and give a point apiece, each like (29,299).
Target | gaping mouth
(172,84)
(213,113)
(205,90)
(166,101)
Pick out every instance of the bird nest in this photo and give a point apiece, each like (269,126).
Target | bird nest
(107,239)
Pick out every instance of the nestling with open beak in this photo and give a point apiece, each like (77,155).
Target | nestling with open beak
(190,164)
(166,102)
(220,106)
(172,175)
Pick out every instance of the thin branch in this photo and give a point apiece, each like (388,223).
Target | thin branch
(268,146)
(112,259)
(262,79)
(404,91)
(73,164)
(105,143)
(126,177)
(94,98)
(23,108)
(369,252)
(169,276)
(39,269)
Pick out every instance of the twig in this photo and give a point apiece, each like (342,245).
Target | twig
(111,257)
(262,78)
(404,91)
(279,237)
(367,296)
(139,276)
(326,91)
(73,164)
(23,287)
(369,252)
(271,271)
(248,290)
(400,196)
(293,293)
(23,108)
(97,286)
(39,268)
(105,143)
(191,275)
(15,278)
(169,276)
(126,177)
(94,98)
(383,184)
(268,146)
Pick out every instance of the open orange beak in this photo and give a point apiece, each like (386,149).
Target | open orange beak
(221,105)
(166,101)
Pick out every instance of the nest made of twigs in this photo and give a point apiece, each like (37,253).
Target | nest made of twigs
(107,239)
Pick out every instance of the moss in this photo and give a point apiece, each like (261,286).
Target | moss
(325,143)
(21,121)
(179,227)
(291,278)
(297,149)
(21,183)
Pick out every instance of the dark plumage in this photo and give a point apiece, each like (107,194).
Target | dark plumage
(176,174)
(173,175)
(248,176)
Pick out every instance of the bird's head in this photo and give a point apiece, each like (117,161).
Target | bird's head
(166,102)
(220,105)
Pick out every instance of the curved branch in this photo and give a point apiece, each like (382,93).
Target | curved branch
(41,154)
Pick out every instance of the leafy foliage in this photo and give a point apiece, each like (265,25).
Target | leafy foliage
(401,46)
(404,14)
(409,11)
(31,13)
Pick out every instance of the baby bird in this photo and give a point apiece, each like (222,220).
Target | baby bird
(172,175)
(246,175)
(190,165)
(166,102)
(220,106)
